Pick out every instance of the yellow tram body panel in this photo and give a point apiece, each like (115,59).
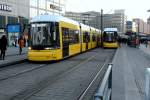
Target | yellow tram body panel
(93,33)
(68,25)
(44,55)
(83,47)
(110,45)
(74,49)
(89,45)
(94,44)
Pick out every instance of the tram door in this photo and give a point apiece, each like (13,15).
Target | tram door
(86,40)
(65,41)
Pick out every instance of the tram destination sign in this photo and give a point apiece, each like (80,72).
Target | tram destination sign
(5,7)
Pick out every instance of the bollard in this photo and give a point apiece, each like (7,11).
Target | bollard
(147,84)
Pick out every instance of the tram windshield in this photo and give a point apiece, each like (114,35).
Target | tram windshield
(44,34)
(110,36)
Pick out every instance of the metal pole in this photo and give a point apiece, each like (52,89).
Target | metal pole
(138,26)
(147,84)
(101,27)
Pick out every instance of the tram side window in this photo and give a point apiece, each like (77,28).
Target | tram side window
(73,36)
(115,35)
(77,36)
(86,37)
(105,36)
(93,38)
(65,34)
(54,30)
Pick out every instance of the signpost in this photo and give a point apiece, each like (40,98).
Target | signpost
(13,31)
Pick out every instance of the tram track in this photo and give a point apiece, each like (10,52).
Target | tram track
(44,83)
(68,66)
(20,72)
(25,95)
(26,70)
(85,92)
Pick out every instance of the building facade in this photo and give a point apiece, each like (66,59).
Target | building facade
(21,11)
(131,27)
(38,7)
(13,11)
(142,26)
(117,19)
(87,18)
(16,14)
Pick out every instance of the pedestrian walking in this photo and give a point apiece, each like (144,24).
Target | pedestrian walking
(21,44)
(3,42)
(119,41)
(0,47)
(146,43)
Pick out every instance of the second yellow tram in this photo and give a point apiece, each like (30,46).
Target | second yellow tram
(110,36)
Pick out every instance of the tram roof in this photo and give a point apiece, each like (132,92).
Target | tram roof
(53,18)
(85,27)
(111,29)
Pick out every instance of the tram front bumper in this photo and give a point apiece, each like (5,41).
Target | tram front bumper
(43,56)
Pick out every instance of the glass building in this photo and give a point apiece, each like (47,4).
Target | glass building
(13,11)
(38,7)
(20,12)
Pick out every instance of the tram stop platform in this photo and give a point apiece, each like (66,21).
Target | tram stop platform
(13,57)
(128,73)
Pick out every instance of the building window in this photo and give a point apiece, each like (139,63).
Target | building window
(50,13)
(42,4)
(42,12)
(33,12)
(62,2)
(57,1)
(12,20)
(33,3)
(2,21)
(48,5)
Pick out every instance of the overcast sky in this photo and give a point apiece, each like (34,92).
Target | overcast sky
(133,8)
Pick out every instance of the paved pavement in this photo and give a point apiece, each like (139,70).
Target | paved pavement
(12,56)
(129,73)
(64,80)
(11,51)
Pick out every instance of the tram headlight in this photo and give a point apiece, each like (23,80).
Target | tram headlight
(47,48)
(29,48)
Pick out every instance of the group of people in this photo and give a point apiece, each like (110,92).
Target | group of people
(4,43)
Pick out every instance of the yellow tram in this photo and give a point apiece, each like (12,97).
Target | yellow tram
(55,37)
(110,38)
